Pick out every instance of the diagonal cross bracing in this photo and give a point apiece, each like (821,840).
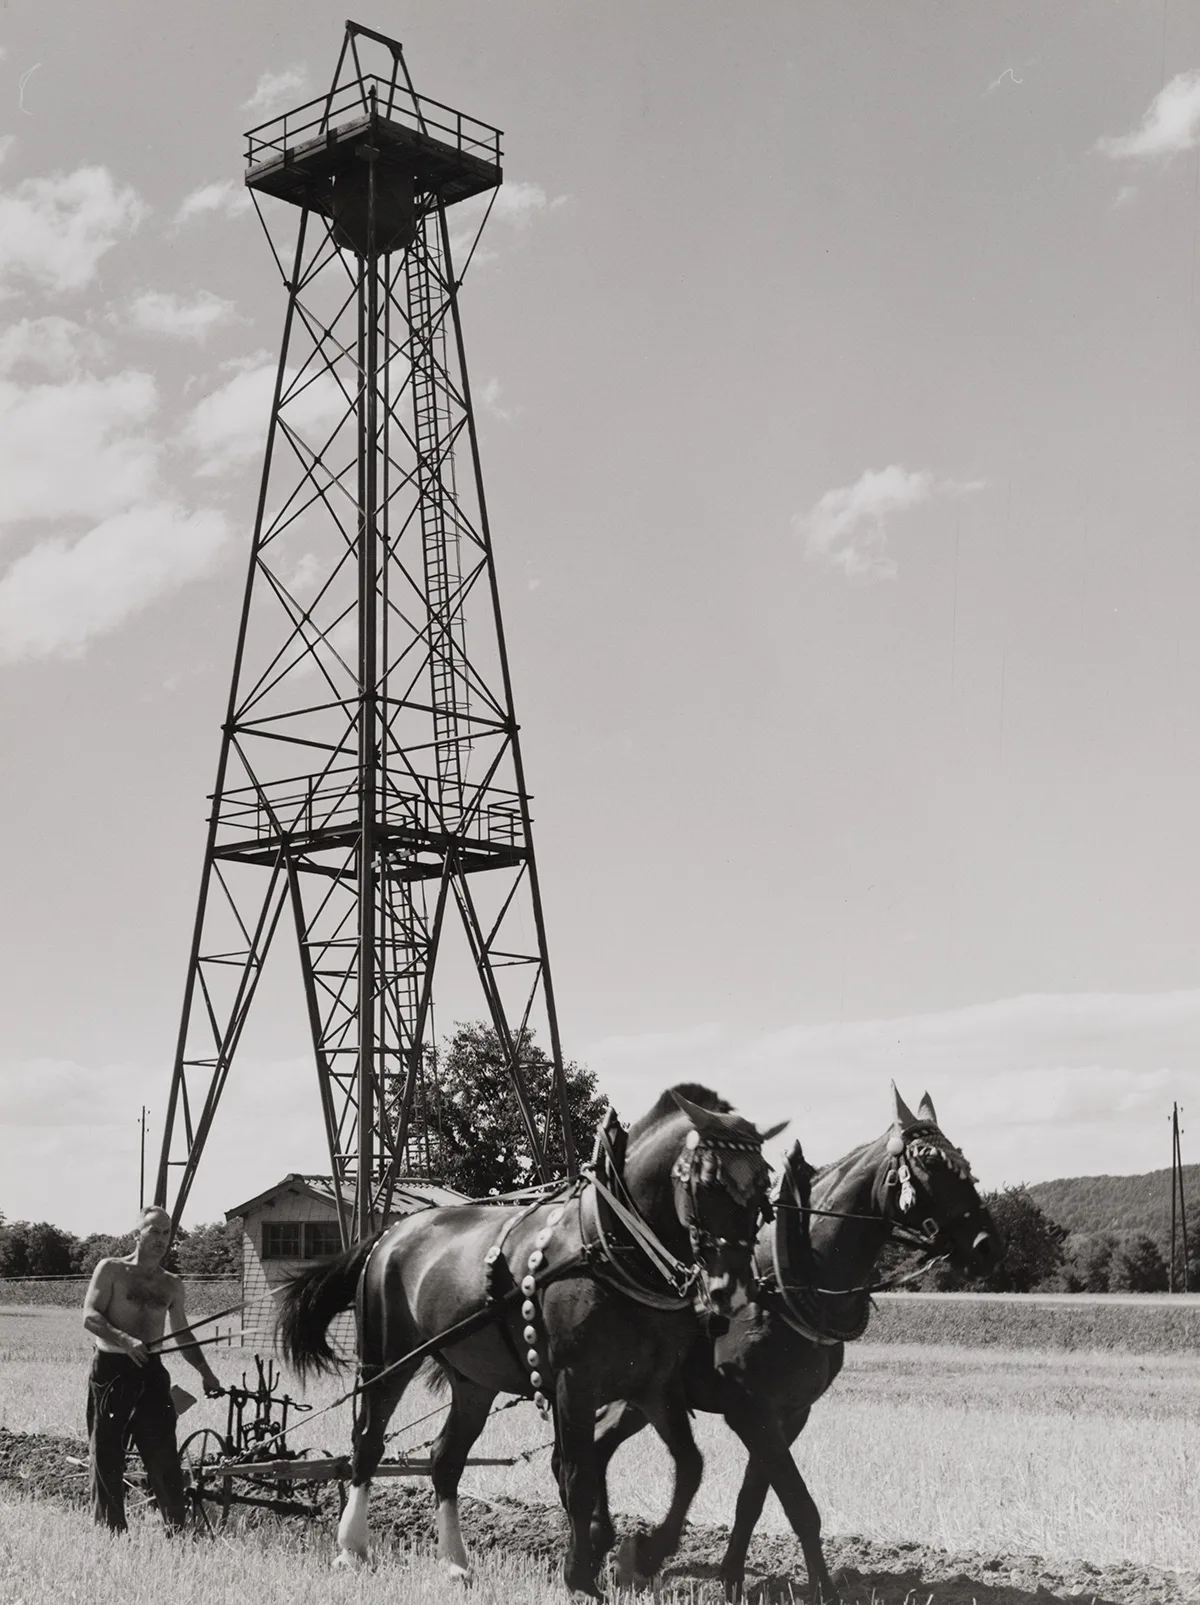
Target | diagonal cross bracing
(370,777)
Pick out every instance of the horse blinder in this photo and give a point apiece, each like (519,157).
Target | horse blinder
(926,1155)
(742,1177)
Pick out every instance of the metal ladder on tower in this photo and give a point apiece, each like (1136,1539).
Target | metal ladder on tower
(432,435)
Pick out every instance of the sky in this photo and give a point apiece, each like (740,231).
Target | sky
(837,377)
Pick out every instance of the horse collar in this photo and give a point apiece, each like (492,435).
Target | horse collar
(532,1350)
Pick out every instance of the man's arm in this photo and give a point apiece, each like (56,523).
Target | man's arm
(95,1316)
(191,1352)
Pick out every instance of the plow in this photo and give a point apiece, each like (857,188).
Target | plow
(251,1465)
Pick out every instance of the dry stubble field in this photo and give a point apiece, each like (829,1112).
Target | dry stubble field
(946,1472)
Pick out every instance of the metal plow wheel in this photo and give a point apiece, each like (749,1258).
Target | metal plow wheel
(209,1493)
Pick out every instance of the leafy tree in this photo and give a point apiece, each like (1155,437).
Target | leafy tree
(1193,1262)
(1087,1262)
(1138,1266)
(1033,1243)
(1033,1248)
(36,1248)
(468,1120)
(214,1249)
(101,1246)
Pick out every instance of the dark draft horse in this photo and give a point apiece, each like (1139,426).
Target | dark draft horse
(577,1299)
(780,1353)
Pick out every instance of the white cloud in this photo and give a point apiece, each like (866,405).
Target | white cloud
(75,449)
(229,426)
(54,231)
(1169,125)
(226,197)
(268,1123)
(1007,76)
(517,203)
(1032,1087)
(61,595)
(52,346)
(847,528)
(273,86)
(59,1092)
(160,312)
(489,397)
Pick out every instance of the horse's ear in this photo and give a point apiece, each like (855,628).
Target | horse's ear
(703,1119)
(925,1110)
(903,1115)
(773,1131)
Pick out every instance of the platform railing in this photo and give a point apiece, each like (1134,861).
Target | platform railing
(304,805)
(394,103)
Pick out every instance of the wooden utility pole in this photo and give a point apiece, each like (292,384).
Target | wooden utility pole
(1178,1205)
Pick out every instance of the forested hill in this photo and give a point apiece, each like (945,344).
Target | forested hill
(1120,1203)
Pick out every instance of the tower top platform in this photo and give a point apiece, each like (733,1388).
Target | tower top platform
(298,157)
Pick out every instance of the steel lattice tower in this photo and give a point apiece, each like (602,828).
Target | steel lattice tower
(370,783)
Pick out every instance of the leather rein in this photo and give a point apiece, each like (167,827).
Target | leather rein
(797,1302)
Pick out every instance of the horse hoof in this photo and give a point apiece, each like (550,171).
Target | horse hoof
(348,1560)
(454,1573)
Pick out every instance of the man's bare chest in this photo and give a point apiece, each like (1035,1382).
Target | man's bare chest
(142,1293)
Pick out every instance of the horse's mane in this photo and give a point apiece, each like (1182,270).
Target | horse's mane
(666,1105)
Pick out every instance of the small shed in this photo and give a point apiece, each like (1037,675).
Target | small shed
(295,1223)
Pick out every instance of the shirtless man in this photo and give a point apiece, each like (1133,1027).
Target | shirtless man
(129,1390)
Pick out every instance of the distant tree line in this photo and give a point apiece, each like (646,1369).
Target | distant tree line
(1121,1204)
(1043,1256)
(36,1248)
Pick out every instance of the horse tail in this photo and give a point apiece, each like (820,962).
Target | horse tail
(309,1303)
(434,1375)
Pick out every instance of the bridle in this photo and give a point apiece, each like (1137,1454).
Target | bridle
(922,1153)
(920,1146)
(700,1166)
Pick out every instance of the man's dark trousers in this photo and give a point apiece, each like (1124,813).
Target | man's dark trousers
(128,1402)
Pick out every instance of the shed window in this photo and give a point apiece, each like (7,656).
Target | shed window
(321,1239)
(293,1239)
(282,1239)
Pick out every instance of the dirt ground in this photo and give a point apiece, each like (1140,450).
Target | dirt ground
(870,1573)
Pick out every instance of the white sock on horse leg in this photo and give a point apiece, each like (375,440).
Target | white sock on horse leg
(352,1529)
(451,1548)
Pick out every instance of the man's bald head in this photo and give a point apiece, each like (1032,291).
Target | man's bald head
(153,1236)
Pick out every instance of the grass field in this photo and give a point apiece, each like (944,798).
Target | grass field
(51,1556)
(1063,1454)
(1127,1323)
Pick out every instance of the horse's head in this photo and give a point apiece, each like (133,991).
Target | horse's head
(927,1192)
(720,1181)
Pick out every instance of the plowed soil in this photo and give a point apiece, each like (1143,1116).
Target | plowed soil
(870,1573)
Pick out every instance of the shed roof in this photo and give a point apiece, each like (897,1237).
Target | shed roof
(409,1194)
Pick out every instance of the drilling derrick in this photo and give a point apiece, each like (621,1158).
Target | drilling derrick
(370,792)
